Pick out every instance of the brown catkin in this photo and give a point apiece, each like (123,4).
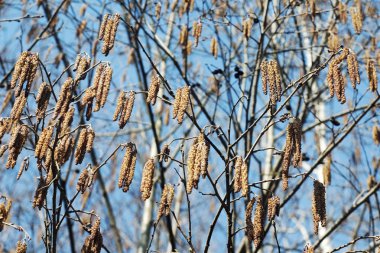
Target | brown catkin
(153,88)
(43,143)
(157,10)
(115,24)
(103,26)
(81,146)
(88,96)
(40,194)
(21,247)
(5,209)
(119,105)
(7,99)
(107,32)
(357,19)
(177,101)
(18,107)
(127,109)
(3,148)
(191,166)
(273,207)
(264,75)
(5,124)
(237,179)
(64,99)
(63,150)
(16,143)
(376,134)
(84,181)
(372,76)
(24,166)
(184,102)
(127,169)
(25,70)
(147,179)
(183,37)
(67,120)
(248,220)
(297,156)
(333,42)
(287,156)
(81,67)
(214,47)
(327,171)
(198,33)
(166,201)
(319,206)
(18,68)
(106,85)
(244,180)
(353,69)
(308,249)
(247,27)
(258,223)
(164,154)
(93,243)
(90,139)
(42,100)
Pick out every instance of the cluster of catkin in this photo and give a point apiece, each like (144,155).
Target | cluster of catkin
(5,209)
(25,71)
(124,108)
(372,76)
(94,242)
(270,73)
(319,206)
(147,179)
(335,78)
(154,87)
(181,102)
(107,31)
(292,149)
(84,144)
(64,99)
(166,201)
(128,166)
(357,19)
(16,143)
(81,65)
(241,176)
(42,100)
(42,146)
(99,89)
(84,180)
(255,229)
(197,31)
(197,162)
(21,247)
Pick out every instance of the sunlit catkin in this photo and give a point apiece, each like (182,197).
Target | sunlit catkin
(264,75)
(333,42)
(372,76)
(25,71)
(319,206)
(147,179)
(327,171)
(273,207)
(127,169)
(21,247)
(93,243)
(18,107)
(165,152)
(197,33)
(244,179)
(16,143)
(357,19)
(153,88)
(191,166)
(90,139)
(181,103)
(119,105)
(82,64)
(166,201)
(353,69)
(237,171)
(84,181)
(43,143)
(64,99)
(247,27)
(248,220)
(107,32)
(81,146)
(308,249)
(258,222)
(4,212)
(177,101)
(40,193)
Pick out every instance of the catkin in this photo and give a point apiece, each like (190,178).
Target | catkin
(273,207)
(247,27)
(119,105)
(5,124)
(42,100)
(127,169)
(40,194)
(4,213)
(21,247)
(258,222)
(101,85)
(319,206)
(81,146)
(270,74)
(201,159)
(84,181)
(88,96)
(183,104)
(357,19)
(64,99)
(376,134)
(18,107)
(308,249)
(197,33)
(82,64)
(333,42)
(327,171)
(244,179)
(127,109)
(177,101)
(214,47)
(353,69)
(237,178)
(264,75)
(63,150)
(25,71)
(43,143)
(164,154)
(67,120)
(372,76)
(106,85)
(3,148)
(183,37)
(190,166)
(166,201)
(16,143)
(293,149)
(147,179)
(153,88)
(107,32)
(248,220)
(93,242)
(90,139)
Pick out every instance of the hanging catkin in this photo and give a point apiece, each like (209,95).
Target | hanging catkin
(153,88)
(107,32)
(126,109)
(42,100)
(372,76)
(273,207)
(237,178)
(25,71)
(319,206)
(248,219)
(166,201)
(147,179)
(258,222)
(128,165)
(16,143)
(64,99)
(93,242)
(270,74)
